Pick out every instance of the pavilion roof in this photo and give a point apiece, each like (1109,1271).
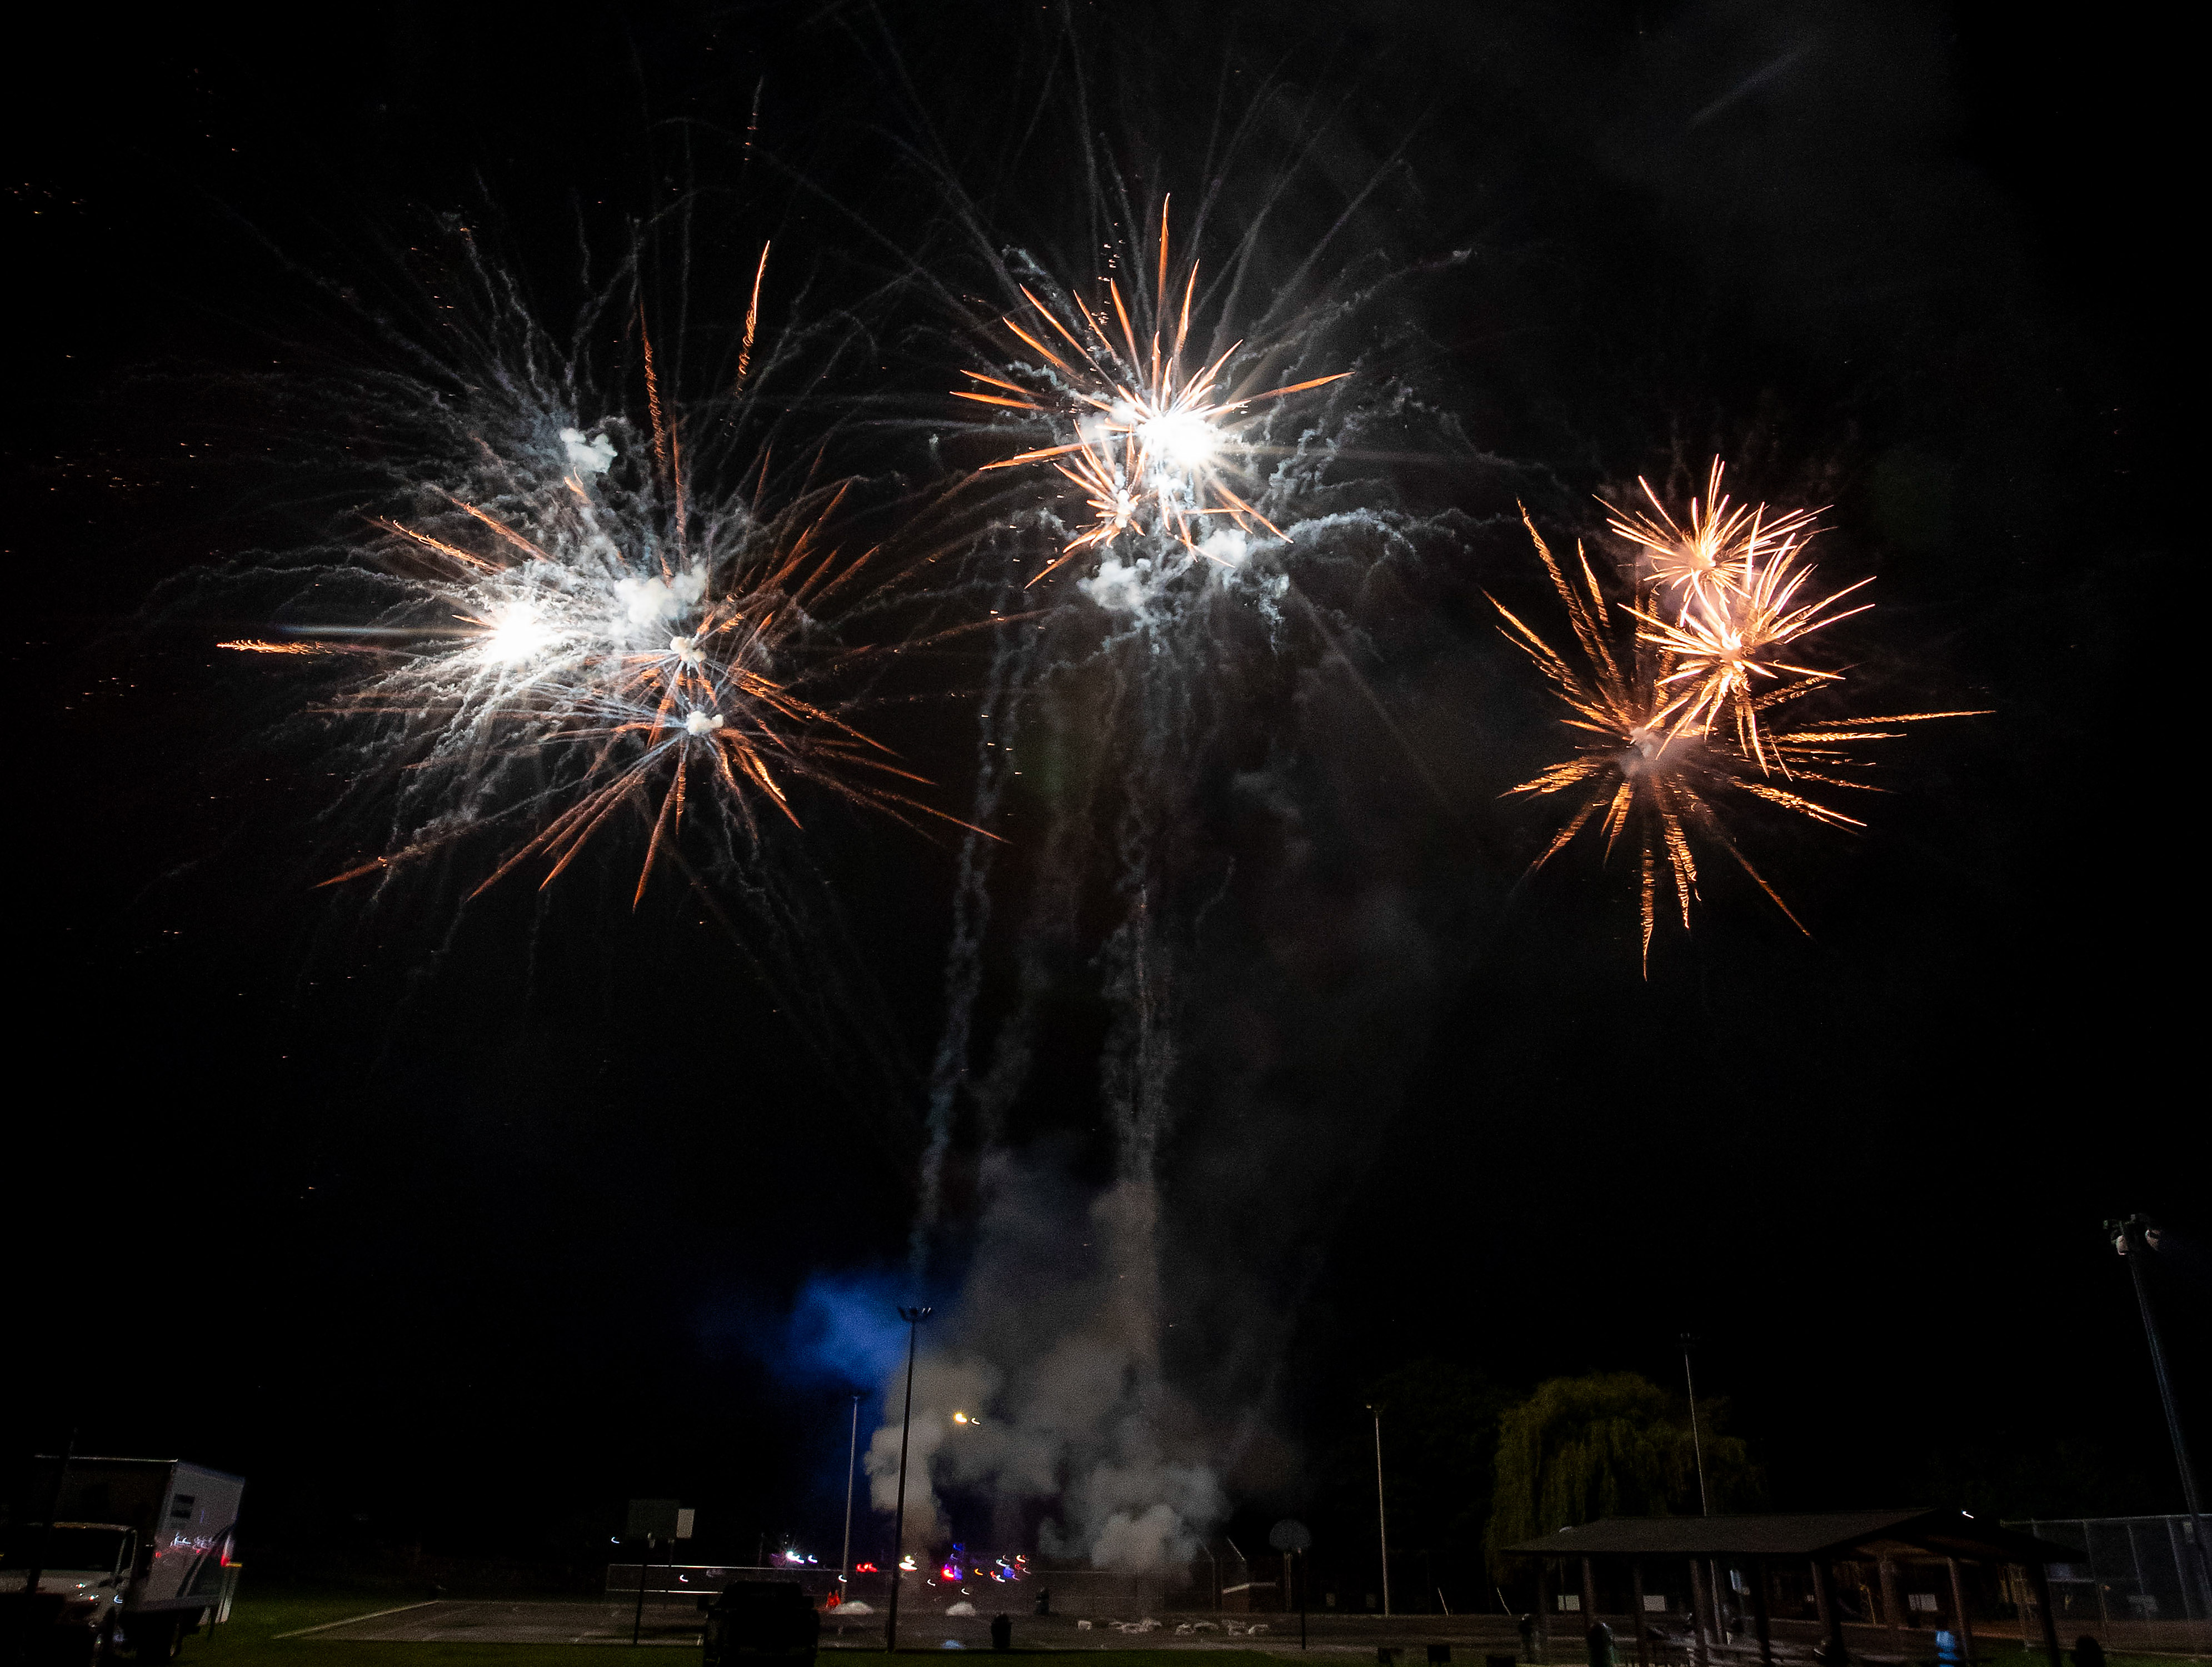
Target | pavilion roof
(1824,1534)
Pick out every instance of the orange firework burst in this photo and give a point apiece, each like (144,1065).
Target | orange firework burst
(1697,557)
(1156,442)
(1650,769)
(1729,636)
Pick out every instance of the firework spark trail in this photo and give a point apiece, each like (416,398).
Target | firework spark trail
(998,715)
(1650,769)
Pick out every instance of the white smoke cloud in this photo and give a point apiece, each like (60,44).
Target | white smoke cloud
(654,601)
(1149,584)
(1052,1364)
(587,457)
(1120,587)
(1156,1540)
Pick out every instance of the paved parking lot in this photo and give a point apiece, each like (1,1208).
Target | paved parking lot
(609,1621)
(535,1620)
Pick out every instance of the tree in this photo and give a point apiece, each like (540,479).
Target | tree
(1610,1445)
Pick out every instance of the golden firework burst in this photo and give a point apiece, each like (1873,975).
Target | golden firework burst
(1650,769)
(1155,445)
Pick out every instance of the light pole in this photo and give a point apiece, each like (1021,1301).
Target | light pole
(2132,1238)
(913,1317)
(852,1458)
(1697,1442)
(1382,1522)
(1704,1499)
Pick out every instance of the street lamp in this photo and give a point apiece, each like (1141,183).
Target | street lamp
(913,1317)
(2132,1238)
(1697,1442)
(1382,1522)
(852,1462)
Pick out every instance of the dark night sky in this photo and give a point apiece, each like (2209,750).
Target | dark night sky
(499,1215)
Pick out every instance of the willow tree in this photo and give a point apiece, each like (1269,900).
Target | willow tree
(1611,1445)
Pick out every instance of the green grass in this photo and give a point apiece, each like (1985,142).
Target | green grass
(2013,1657)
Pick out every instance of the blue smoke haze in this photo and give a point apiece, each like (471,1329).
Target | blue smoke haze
(845,1328)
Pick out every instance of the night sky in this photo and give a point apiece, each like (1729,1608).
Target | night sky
(463,1224)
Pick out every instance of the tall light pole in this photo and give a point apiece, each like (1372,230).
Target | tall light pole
(1704,1499)
(1382,1522)
(913,1317)
(852,1460)
(2134,1239)
(1697,1442)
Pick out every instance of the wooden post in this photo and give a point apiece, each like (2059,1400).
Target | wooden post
(1703,1654)
(1643,1635)
(1758,1610)
(1589,1597)
(2042,1585)
(1832,1612)
(1962,1622)
(1887,1571)
(1543,1609)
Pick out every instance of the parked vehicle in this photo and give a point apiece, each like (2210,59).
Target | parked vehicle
(129,1553)
(760,1622)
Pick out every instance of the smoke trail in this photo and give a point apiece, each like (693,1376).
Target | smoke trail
(998,714)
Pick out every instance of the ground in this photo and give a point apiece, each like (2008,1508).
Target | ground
(306,1629)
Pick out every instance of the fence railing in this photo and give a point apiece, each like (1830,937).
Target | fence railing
(1072,1592)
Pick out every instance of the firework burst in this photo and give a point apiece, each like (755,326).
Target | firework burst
(635,686)
(1654,770)
(1157,443)
(570,624)
(1697,559)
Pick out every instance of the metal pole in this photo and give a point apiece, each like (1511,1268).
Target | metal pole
(2041,1585)
(1892,1611)
(2132,1238)
(852,1460)
(1643,1632)
(1697,1442)
(1702,1655)
(45,1542)
(37,1568)
(1299,1575)
(1831,1610)
(1962,1622)
(1382,1522)
(913,1317)
(637,1621)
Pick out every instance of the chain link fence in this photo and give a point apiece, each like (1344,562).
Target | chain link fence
(2139,1583)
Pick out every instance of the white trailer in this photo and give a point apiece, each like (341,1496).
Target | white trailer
(139,1552)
